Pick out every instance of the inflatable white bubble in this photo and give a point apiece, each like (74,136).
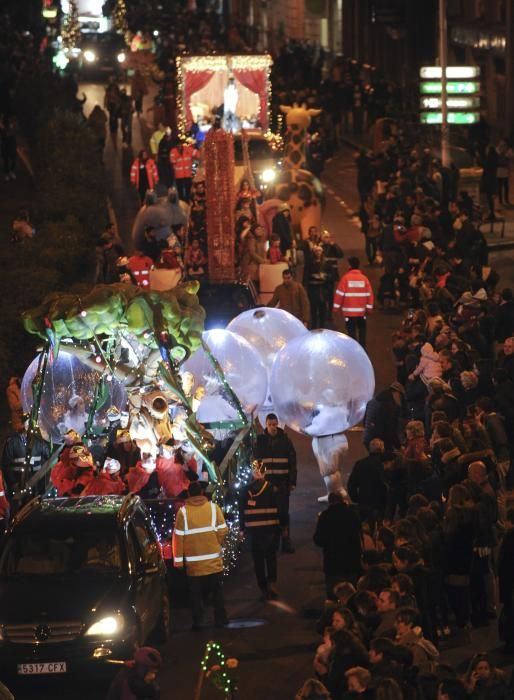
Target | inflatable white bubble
(241,365)
(68,392)
(321,382)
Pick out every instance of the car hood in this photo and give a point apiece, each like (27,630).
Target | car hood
(58,598)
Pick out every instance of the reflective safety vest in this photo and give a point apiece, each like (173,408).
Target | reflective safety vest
(278,466)
(18,464)
(151,173)
(183,161)
(354,295)
(140,266)
(260,508)
(199,532)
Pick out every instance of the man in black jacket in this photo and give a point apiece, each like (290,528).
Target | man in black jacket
(383,416)
(277,452)
(338,533)
(366,485)
(260,523)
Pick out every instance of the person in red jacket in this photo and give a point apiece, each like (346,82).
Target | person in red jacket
(107,482)
(82,461)
(143,174)
(175,472)
(143,479)
(63,472)
(354,300)
(182,159)
(140,265)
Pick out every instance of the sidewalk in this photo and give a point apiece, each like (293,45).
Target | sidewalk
(499,234)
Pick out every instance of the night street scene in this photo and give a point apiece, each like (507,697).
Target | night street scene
(257,350)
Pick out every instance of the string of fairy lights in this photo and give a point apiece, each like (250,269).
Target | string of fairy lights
(219,673)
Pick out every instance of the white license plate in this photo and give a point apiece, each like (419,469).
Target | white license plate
(42,667)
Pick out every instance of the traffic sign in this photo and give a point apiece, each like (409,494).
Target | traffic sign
(452,88)
(451,102)
(452,72)
(453,117)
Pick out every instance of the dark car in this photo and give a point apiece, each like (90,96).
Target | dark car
(82,582)
(223,301)
(100,54)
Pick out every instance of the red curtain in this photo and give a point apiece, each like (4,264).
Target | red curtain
(193,82)
(255,81)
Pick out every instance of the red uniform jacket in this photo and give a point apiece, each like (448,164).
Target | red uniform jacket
(151,173)
(183,161)
(63,474)
(104,484)
(137,478)
(354,295)
(172,477)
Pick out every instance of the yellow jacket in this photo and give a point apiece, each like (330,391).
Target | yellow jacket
(199,532)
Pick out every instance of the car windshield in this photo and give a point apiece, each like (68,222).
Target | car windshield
(56,552)
(258,149)
(102,41)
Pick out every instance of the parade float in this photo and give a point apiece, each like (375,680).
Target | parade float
(236,88)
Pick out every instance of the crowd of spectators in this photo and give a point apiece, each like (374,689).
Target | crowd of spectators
(433,561)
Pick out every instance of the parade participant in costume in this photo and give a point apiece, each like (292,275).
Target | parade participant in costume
(199,532)
(125,451)
(84,470)
(259,517)
(278,454)
(107,481)
(143,478)
(75,417)
(175,472)
(118,420)
(14,467)
(61,469)
(152,421)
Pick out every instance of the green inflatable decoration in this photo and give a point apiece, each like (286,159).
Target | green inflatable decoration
(109,309)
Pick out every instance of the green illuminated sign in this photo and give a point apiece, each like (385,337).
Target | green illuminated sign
(453,117)
(452,88)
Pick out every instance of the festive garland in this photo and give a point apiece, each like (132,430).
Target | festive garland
(218,674)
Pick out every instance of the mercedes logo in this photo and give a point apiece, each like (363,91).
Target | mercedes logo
(42,633)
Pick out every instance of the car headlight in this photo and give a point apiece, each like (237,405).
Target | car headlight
(268,175)
(106,627)
(90,56)
(121,57)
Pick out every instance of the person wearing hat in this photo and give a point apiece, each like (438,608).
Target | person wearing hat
(62,470)
(138,679)
(107,481)
(76,416)
(125,450)
(278,455)
(260,523)
(84,470)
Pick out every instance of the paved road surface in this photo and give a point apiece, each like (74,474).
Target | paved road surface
(276,656)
